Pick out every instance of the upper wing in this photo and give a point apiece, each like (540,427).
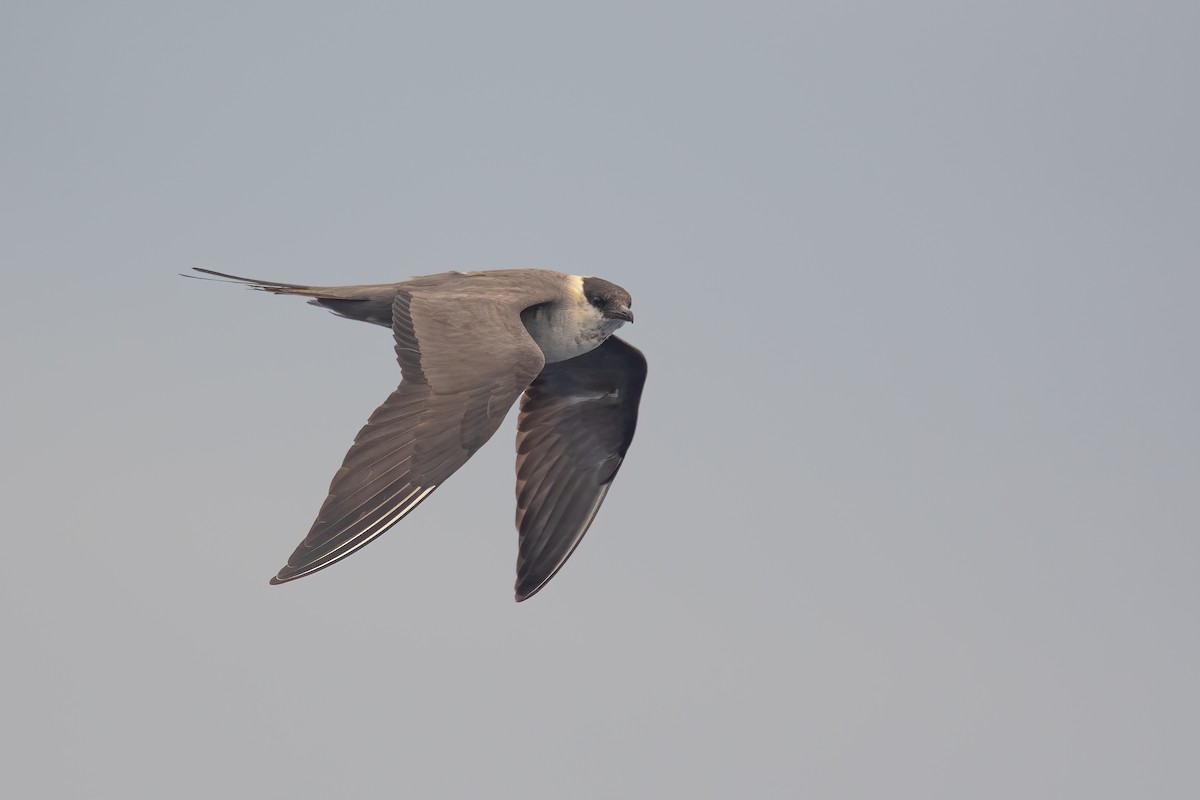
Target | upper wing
(459,381)
(577,420)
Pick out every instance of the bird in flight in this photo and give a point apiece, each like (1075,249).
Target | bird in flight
(469,344)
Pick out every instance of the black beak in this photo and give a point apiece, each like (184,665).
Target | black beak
(619,313)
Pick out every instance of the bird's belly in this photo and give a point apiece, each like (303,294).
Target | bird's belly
(564,345)
(562,338)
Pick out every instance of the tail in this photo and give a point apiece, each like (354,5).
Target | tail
(274,287)
(370,303)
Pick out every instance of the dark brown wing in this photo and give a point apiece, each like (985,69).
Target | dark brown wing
(459,382)
(577,420)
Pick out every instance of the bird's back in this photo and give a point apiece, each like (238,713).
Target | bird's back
(512,289)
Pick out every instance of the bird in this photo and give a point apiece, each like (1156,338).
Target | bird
(469,344)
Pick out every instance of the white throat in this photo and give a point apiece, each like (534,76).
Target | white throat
(568,329)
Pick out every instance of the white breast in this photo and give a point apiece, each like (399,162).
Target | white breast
(565,330)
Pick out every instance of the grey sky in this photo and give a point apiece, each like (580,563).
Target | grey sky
(913,508)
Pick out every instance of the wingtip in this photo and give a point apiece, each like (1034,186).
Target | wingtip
(523,593)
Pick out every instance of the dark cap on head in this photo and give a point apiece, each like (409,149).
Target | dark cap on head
(612,300)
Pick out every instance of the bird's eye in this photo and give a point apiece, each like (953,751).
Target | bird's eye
(597,300)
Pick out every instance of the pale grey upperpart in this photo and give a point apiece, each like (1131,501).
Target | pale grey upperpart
(468,345)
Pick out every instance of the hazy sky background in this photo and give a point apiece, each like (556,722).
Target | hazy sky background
(913,510)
